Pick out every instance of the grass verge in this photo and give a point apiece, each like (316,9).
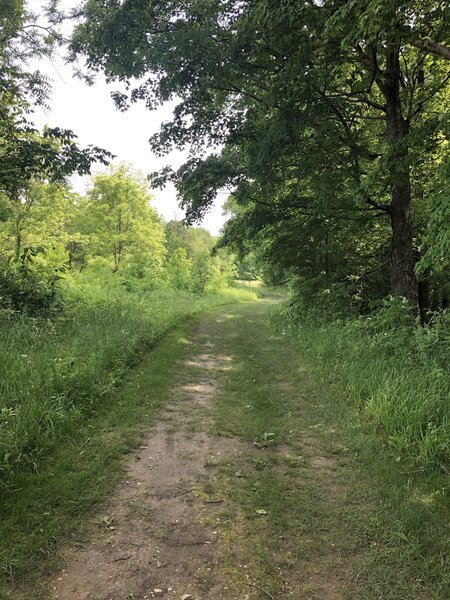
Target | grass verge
(394,372)
(56,374)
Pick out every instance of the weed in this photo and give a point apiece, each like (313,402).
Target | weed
(264,440)
(259,463)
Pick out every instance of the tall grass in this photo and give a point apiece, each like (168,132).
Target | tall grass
(396,372)
(57,373)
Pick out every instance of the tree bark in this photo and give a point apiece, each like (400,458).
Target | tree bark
(432,46)
(403,279)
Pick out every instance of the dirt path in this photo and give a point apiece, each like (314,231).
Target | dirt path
(155,538)
(238,493)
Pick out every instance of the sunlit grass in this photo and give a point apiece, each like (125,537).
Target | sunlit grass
(56,373)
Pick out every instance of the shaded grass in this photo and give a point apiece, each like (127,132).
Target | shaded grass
(269,398)
(395,372)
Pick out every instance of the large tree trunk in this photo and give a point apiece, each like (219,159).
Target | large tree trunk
(403,279)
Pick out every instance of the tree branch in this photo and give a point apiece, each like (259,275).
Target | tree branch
(349,140)
(432,94)
(433,47)
(383,207)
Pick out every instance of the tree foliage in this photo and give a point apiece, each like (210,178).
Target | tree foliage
(27,154)
(120,225)
(193,263)
(50,236)
(326,115)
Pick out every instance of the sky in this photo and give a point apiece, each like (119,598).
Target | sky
(90,113)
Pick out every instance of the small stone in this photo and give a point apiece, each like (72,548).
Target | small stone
(158,591)
(187,597)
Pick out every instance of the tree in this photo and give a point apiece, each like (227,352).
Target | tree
(179,269)
(38,220)
(194,262)
(120,224)
(324,110)
(197,241)
(33,246)
(26,153)
(397,84)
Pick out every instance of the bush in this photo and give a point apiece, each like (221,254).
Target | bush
(30,291)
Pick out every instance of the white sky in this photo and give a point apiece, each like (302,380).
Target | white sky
(90,113)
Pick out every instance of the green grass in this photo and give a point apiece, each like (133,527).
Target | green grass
(73,394)
(56,374)
(393,371)
(40,508)
(365,517)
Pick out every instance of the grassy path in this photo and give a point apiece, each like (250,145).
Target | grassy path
(247,486)
(299,507)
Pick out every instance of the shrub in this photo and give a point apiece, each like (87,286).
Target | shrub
(26,290)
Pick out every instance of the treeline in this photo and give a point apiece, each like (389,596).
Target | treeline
(50,234)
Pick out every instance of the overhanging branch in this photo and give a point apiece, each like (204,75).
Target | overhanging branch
(433,47)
